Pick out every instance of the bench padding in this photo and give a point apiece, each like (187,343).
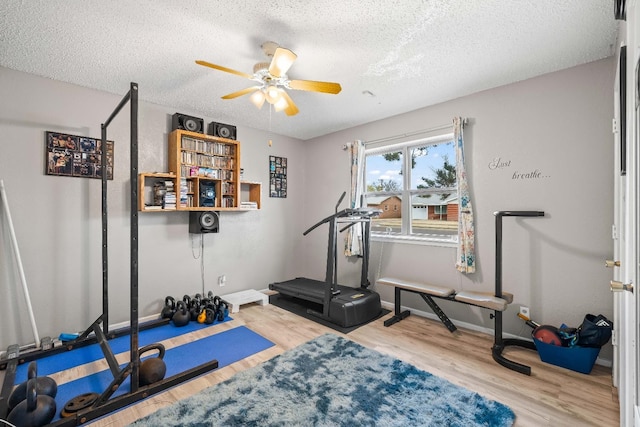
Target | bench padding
(480,299)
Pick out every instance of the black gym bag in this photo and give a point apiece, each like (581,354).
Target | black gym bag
(595,331)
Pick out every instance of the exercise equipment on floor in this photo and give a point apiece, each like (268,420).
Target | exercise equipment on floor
(35,410)
(44,386)
(500,343)
(496,301)
(105,403)
(427,292)
(199,309)
(341,305)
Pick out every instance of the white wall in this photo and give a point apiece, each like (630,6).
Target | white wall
(57,220)
(558,124)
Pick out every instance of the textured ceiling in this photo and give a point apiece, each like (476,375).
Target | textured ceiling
(390,56)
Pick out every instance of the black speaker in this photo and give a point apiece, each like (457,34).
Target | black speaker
(204,222)
(222,130)
(184,122)
(207,194)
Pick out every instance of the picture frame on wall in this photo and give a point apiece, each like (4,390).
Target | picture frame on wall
(76,156)
(277,176)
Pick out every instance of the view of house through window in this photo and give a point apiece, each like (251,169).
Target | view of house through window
(414,186)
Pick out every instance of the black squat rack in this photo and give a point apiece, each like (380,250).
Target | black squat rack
(103,404)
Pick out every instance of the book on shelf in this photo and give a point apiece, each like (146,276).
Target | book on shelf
(249,205)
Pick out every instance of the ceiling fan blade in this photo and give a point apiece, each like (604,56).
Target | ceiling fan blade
(225,69)
(310,85)
(282,60)
(291,109)
(241,92)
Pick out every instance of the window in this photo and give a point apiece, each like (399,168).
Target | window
(414,185)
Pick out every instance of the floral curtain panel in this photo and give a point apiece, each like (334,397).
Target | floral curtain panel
(353,239)
(466,262)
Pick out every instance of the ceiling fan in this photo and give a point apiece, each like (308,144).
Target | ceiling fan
(273,81)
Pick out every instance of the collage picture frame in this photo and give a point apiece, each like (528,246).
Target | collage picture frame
(277,176)
(76,156)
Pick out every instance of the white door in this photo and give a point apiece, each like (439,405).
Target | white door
(626,364)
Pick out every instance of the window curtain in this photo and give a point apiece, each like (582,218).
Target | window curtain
(466,235)
(353,239)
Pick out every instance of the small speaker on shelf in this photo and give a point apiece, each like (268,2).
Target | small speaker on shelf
(204,222)
(184,122)
(221,130)
(207,194)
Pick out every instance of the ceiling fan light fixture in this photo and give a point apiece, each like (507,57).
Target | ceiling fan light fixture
(273,95)
(258,98)
(281,104)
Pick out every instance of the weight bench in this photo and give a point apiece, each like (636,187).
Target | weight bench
(427,291)
(479,299)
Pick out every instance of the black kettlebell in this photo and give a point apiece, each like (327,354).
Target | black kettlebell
(169,308)
(45,386)
(152,369)
(182,316)
(195,309)
(36,410)
(198,298)
(187,301)
(223,310)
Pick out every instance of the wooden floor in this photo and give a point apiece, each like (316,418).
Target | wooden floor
(551,396)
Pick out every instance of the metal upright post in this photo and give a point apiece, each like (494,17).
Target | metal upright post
(500,343)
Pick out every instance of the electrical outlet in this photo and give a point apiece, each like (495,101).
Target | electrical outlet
(222,280)
(524,311)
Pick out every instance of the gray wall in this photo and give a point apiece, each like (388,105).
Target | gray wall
(558,124)
(57,220)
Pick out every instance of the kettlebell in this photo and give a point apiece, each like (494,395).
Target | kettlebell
(35,410)
(45,386)
(187,301)
(152,369)
(169,308)
(223,310)
(206,316)
(182,316)
(198,298)
(195,309)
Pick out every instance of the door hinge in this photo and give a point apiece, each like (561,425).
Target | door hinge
(614,337)
(614,232)
(614,126)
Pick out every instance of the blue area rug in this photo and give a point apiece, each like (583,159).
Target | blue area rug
(226,347)
(90,353)
(331,381)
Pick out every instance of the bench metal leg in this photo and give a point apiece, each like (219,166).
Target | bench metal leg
(437,310)
(398,315)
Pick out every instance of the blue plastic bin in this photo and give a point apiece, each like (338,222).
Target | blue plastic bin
(579,359)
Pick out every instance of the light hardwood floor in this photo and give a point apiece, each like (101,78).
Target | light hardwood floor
(551,396)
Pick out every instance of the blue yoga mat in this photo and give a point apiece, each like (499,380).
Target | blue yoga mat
(226,347)
(91,353)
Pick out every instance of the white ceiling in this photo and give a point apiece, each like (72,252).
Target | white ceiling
(407,53)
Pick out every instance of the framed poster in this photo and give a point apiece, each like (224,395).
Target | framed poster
(277,176)
(72,155)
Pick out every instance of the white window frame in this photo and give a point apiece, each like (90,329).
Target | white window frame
(406,235)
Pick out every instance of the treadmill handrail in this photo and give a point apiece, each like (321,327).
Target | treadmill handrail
(360,212)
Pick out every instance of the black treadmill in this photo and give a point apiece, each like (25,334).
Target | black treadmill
(342,305)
